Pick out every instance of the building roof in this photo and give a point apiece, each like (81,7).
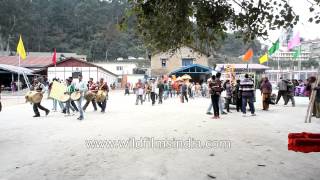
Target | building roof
(29,62)
(244,66)
(190,47)
(15,69)
(193,68)
(80,61)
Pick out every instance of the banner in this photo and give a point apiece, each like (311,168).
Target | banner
(57,90)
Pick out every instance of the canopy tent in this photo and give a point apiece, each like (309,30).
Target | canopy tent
(11,73)
(198,73)
(9,69)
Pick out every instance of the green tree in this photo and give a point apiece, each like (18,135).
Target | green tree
(168,24)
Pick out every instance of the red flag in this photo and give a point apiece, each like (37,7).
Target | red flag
(54,58)
(248,55)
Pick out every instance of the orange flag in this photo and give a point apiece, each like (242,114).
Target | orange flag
(248,55)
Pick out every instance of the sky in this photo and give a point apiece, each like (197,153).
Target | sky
(307,30)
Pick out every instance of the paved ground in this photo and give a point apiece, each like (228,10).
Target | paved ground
(54,147)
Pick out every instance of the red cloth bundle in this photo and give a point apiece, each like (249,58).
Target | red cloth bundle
(304,142)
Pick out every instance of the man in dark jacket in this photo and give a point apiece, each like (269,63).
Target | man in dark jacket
(283,90)
(290,93)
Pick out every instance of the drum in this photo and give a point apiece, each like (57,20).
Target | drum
(34,97)
(75,96)
(101,95)
(64,98)
(89,96)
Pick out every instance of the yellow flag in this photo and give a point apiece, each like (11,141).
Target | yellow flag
(263,58)
(20,49)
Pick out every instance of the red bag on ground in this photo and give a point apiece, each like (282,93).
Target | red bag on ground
(304,142)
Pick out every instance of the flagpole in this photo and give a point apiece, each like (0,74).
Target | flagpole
(19,75)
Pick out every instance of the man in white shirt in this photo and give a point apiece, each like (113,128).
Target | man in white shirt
(82,88)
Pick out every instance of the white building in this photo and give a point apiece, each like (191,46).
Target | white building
(124,70)
(288,56)
(119,67)
(72,67)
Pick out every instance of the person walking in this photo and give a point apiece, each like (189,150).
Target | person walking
(283,90)
(139,92)
(126,90)
(93,88)
(153,92)
(290,94)
(238,97)
(247,93)
(184,92)
(40,88)
(161,91)
(266,90)
(228,87)
(55,101)
(215,92)
(82,88)
(69,90)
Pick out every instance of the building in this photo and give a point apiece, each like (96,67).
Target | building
(127,71)
(35,63)
(119,67)
(288,56)
(243,68)
(166,62)
(43,66)
(312,46)
(72,67)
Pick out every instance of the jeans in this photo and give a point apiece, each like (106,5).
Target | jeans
(73,104)
(165,94)
(55,102)
(184,96)
(215,103)
(68,106)
(221,106)
(139,97)
(160,97)
(103,105)
(153,97)
(239,103)
(250,102)
(210,107)
(79,102)
(87,104)
(228,102)
(284,96)
(146,95)
(37,106)
(290,97)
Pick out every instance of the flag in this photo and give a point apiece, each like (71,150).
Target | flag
(248,55)
(274,48)
(294,42)
(297,53)
(54,57)
(263,58)
(20,49)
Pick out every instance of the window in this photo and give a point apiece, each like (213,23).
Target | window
(163,63)
(119,68)
(187,61)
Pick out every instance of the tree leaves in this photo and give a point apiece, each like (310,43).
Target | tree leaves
(209,19)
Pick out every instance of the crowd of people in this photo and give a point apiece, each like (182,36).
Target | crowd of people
(222,94)
(79,86)
(240,93)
